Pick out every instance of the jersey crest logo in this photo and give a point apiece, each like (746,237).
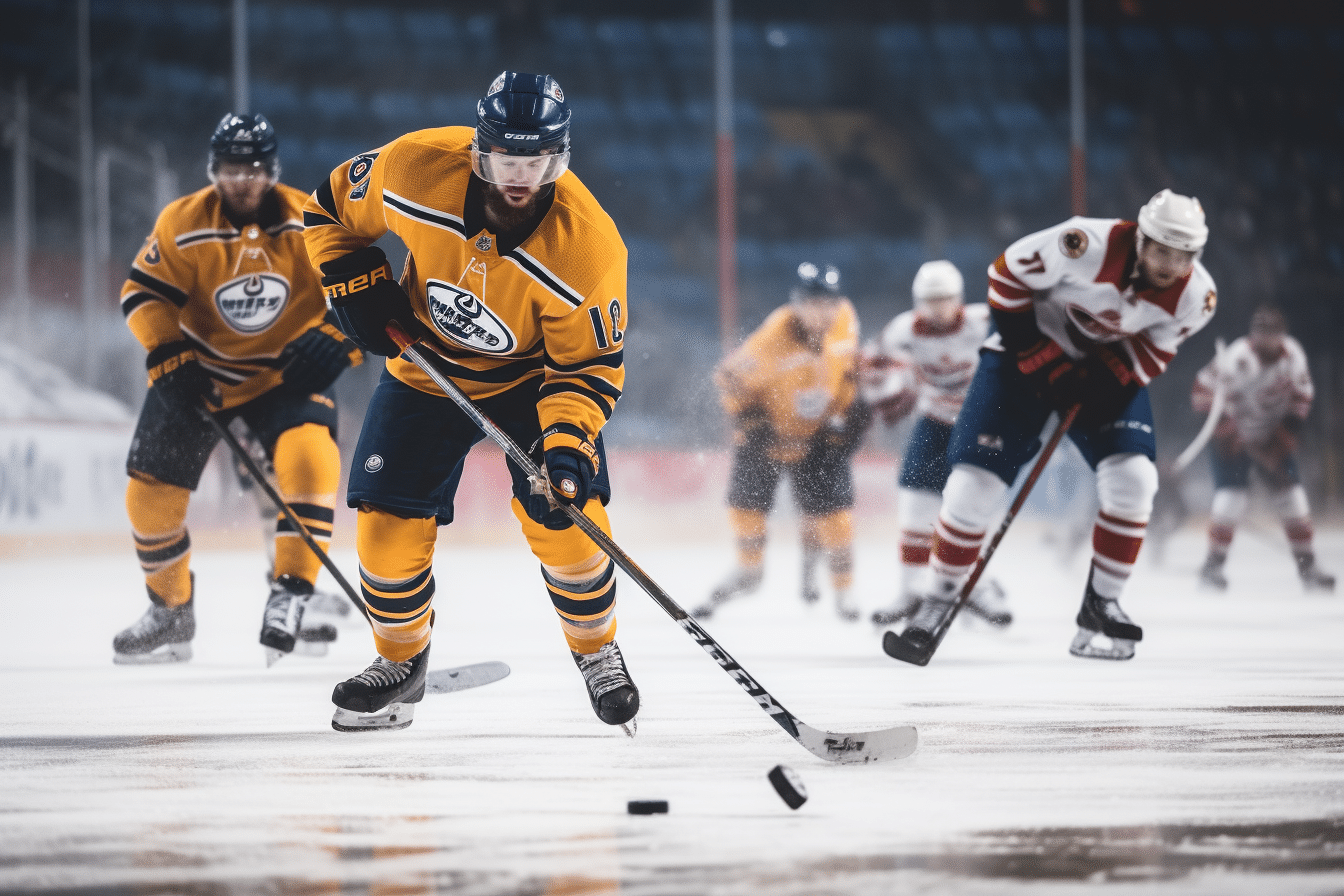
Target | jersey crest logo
(1104,326)
(152,255)
(1073,242)
(465,319)
(484,242)
(358,174)
(252,302)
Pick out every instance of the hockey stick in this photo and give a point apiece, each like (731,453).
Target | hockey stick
(1187,456)
(919,654)
(852,747)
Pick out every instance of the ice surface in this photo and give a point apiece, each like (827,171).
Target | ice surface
(1211,763)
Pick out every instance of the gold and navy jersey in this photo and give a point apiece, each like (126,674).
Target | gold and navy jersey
(238,297)
(798,387)
(551,306)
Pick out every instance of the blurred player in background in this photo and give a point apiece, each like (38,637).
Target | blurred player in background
(923,361)
(1267,391)
(516,278)
(1087,313)
(228,307)
(791,391)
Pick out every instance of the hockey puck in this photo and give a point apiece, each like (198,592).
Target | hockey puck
(788,785)
(646,807)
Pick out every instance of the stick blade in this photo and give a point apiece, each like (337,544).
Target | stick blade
(896,647)
(460,678)
(860,747)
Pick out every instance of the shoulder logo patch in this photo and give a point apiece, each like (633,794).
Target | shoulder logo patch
(252,302)
(358,174)
(1073,242)
(1210,302)
(152,255)
(465,319)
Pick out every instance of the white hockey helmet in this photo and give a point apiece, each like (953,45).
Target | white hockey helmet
(937,279)
(1174,220)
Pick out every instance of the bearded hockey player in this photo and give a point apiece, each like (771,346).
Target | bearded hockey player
(230,311)
(1267,393)
(923,361)
(516,278)
(792,393)
(1087,313)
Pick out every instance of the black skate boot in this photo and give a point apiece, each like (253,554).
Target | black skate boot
(1211,577)
(382,697)
(743,580)
(917,643)
(162,635)
(614,696)
(283,618)
(904,607)
(988,602)
(1313,577)
(1103,616)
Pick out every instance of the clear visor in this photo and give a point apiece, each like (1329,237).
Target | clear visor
(222,170)
(497,166)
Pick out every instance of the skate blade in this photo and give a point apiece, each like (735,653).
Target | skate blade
(273,656)
(392,717)
(168,653)
(897,647)
(1096,646)
(631,728)
(310,648)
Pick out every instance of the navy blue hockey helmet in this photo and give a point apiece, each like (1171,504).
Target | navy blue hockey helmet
(242,139)
(521,114)
(816,282)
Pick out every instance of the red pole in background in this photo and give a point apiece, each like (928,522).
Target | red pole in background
(727,187)
(1077,112)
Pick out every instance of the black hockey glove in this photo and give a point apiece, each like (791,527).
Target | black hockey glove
(843,433)
(319,355)
(1108,386)
(571,464)
(1056,377)
(179,379)
(363,297)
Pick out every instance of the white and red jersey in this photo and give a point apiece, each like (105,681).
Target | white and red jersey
(1257,395)
(936,364)
(1078,278)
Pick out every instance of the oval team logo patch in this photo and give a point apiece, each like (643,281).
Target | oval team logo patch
(252,302)
(465,319)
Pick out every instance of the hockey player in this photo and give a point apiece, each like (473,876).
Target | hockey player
(791,390)
(516,277)
(1087,312)
(224,300)
(923,361)
(1267,392)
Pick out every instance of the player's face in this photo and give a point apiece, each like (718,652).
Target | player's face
(940,311)
(243,185)
(1161,266)
(816,315)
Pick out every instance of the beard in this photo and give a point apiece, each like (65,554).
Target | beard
(507,217)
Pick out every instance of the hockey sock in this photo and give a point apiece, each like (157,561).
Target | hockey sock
(396,579)
(1126,485)
(1229,505)
(158,514)
(580,579)
(835,533)
(307,474)
(1291,506)
(918,511)
(969,500)
(749,532)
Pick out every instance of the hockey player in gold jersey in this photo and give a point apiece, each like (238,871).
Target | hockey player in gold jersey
(226,303)
(515,278)
(792,391)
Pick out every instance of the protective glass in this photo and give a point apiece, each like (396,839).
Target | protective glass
(497,166)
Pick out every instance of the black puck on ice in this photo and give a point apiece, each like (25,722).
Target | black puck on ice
(788,785)
(646,807)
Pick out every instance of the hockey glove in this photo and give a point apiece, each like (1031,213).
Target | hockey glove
(1054,375)
(1109,386)
(843,433)
(571,464)
(314,360)
(363,297)
(179,379)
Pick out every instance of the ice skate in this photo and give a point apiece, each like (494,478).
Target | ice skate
(916,644)
(1211,577)
(810,591)
(614,696)
(903,608)
(845,606)
(1101,620)
(989,603)
(742,580)
(283,617)
(382,697)
(162,635)
(1314,579)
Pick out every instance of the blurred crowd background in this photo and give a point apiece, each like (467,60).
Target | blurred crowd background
(871,135)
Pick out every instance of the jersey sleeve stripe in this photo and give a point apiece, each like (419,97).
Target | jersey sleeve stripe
(134,300)
(613,360)
(568,388)
(313,219)
(158,287)
(546,278)
(327,200)
(423,213)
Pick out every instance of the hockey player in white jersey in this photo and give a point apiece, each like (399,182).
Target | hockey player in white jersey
(1267,393)
(924,360)
(1087,313)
